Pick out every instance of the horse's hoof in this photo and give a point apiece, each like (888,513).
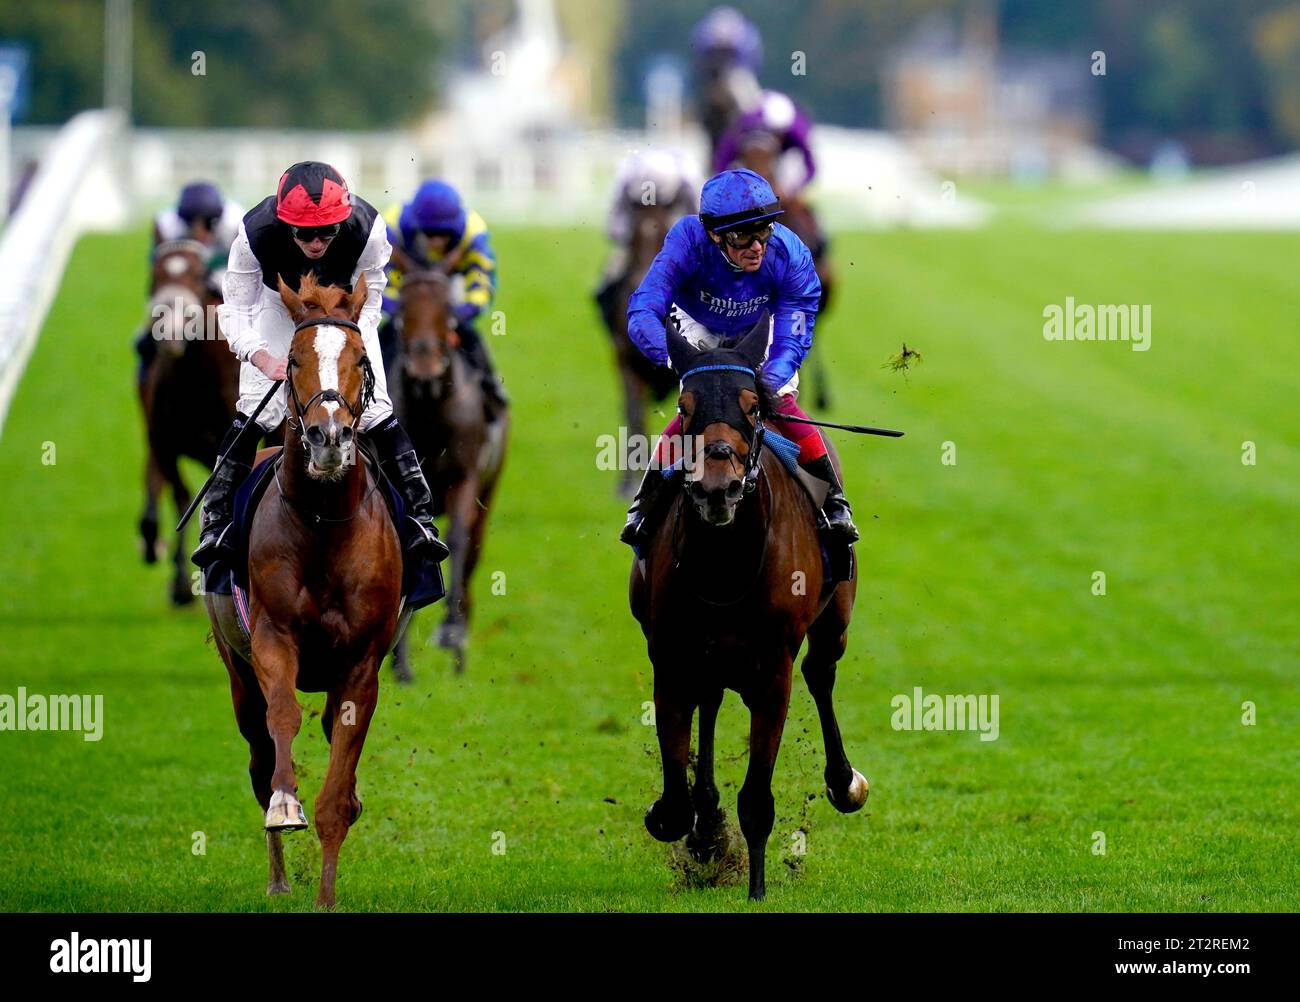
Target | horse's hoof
(285,814)
(852,799)
(182,596)
(666,826)
(451,636)
(278,888)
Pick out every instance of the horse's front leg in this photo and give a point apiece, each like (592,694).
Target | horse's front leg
(462,501)
(768,700)
(153,484)
(337,804)
(275,660)
(672,816)
(182,591)
(705,841)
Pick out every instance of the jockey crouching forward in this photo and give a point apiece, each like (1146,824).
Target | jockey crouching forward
(715,275)
(436,231)
(202,214)
(311,224)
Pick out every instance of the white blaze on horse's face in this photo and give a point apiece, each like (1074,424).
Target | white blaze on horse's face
(330,444)
(329,346)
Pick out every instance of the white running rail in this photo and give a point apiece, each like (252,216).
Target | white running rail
(37,240)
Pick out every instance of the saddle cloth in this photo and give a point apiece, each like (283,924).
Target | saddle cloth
(422,582)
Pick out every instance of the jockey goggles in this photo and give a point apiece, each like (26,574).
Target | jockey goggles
(309,233)
(742,239)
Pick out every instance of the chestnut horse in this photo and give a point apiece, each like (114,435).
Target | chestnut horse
(725,593)
(439,401)
(324,584)
(641,378)
(188,394)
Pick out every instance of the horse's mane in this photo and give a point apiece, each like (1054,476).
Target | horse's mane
(322,297)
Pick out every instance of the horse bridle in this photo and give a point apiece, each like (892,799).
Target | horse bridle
(364,398)
(751,466)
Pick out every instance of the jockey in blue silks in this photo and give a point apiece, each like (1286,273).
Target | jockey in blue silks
(436,230)
(716,274)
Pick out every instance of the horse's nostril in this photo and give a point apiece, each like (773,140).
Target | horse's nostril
(698,491)
(315,436)
(345,435)
(734,489)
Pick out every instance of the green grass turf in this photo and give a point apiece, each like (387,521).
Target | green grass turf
(1119,714)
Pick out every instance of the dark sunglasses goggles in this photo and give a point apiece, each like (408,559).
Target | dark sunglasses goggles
(309,233)
(740,239)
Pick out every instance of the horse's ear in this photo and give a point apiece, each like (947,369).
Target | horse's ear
(290,299)
(680,351)
(753,346)
(357,301)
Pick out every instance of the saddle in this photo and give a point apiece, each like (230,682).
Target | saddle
(422,582)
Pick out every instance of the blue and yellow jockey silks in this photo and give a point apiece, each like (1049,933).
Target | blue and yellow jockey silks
(469,255)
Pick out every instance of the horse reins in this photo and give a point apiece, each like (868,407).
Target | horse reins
(364,398)
(752,469)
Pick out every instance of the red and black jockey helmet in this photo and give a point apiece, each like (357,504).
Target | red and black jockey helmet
(312,194)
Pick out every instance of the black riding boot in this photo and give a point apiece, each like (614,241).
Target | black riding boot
(836,506)
(474,346)
(218,506)
(645,504)
(397,457)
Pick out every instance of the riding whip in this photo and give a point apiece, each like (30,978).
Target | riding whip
(860,429)
(221,460)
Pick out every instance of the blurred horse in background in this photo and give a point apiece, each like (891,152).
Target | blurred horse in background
(439,401)
(641,379)
(188,392)
(760,152)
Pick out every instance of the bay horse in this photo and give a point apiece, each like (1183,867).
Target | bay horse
(726,592)
(760,152)
(640,378)
(439,401)
(188,393)
(324,584)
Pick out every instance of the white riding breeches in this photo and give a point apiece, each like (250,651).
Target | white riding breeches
(702,339)
(275,327)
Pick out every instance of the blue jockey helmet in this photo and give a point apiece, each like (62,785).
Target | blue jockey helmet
(436,208)
(200,200)
(737,198)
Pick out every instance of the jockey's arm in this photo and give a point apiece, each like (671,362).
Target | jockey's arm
(648,306)
(478,265)
(241,289)
(373,264)
(793,317)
